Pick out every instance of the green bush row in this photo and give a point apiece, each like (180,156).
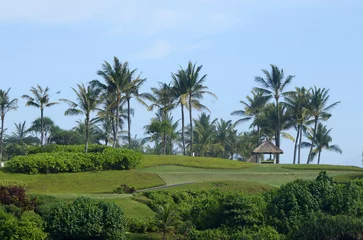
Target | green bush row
(57,162)
(93,148)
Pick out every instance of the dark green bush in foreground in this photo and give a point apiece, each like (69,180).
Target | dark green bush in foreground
(63,161)
(86,219)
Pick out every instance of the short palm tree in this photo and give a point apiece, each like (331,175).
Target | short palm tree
(222,134)
(321,139)
(41,100)
(319,110)
(87,101)
(274,85)
(167,218)
(252,108)
(6,105)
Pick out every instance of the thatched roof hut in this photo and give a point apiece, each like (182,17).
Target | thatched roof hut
(267,147)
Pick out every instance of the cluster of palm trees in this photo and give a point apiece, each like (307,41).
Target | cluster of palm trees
(302,109)
(270,108)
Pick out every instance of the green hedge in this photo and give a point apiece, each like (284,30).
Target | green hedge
(56,162)
(93,148)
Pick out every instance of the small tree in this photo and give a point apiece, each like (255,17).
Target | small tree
(167,217)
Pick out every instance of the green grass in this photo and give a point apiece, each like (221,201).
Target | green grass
(241,186)
(347,177)
(85,182)
(321,167)
(197,162)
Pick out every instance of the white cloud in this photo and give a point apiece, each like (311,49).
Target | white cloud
(157,50)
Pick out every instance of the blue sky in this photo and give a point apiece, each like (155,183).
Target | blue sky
(61,43)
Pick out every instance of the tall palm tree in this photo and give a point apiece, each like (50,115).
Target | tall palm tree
(297,103)
(120,82)
(6,105)
(252,108)
(87,101)
(321,139)
(319,110)
(195,91)
(41,100)
(180,93)
(131,90)
(274,85)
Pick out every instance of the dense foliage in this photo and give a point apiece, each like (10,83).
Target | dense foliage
(71,159)
(319,209)
(86,218)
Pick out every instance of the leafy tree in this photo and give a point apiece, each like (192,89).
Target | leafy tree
(6,105)
(41,100)
(48,128)
(222,134)
(87,101)
(321,140)
(273,85)
(319,109)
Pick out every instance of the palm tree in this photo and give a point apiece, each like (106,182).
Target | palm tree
(195,91)
(87,101)
(252,108)
(167,217)
(21,135)
(121,83)
(274,85)
(319,110)
(297,102)
(321,139)
(162,98)
(40,100)
(180,93)
(6,105)
(131,90)
(223,134)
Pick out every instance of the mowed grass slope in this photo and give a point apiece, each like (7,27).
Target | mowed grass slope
(83,182)
(197,162)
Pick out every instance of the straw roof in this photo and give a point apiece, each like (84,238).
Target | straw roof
(267,147)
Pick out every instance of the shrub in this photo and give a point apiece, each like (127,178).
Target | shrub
(56,162)
(326,227)
(16,196)
(28,226)
(124,189)
(86,218)
(13,183)
(141,225)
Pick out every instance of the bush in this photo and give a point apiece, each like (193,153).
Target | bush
(141,225)
(326,227)
(13,183)
(124,189)
(51,148)
(28,226)
(56,162)
(16,196)
(86,218)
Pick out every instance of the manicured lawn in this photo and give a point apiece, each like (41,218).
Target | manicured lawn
(85,182)
(241,186)
(321,167)
(198,162)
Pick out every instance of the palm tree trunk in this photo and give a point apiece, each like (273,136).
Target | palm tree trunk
(183,140)
(296,146)
(191,125)
(42,128)
(113,129)
(1,137)
(278,130)
(87,133)
(300,140)
(312,141)
(128,122)
(258,132)
(117,121)
(319,157)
